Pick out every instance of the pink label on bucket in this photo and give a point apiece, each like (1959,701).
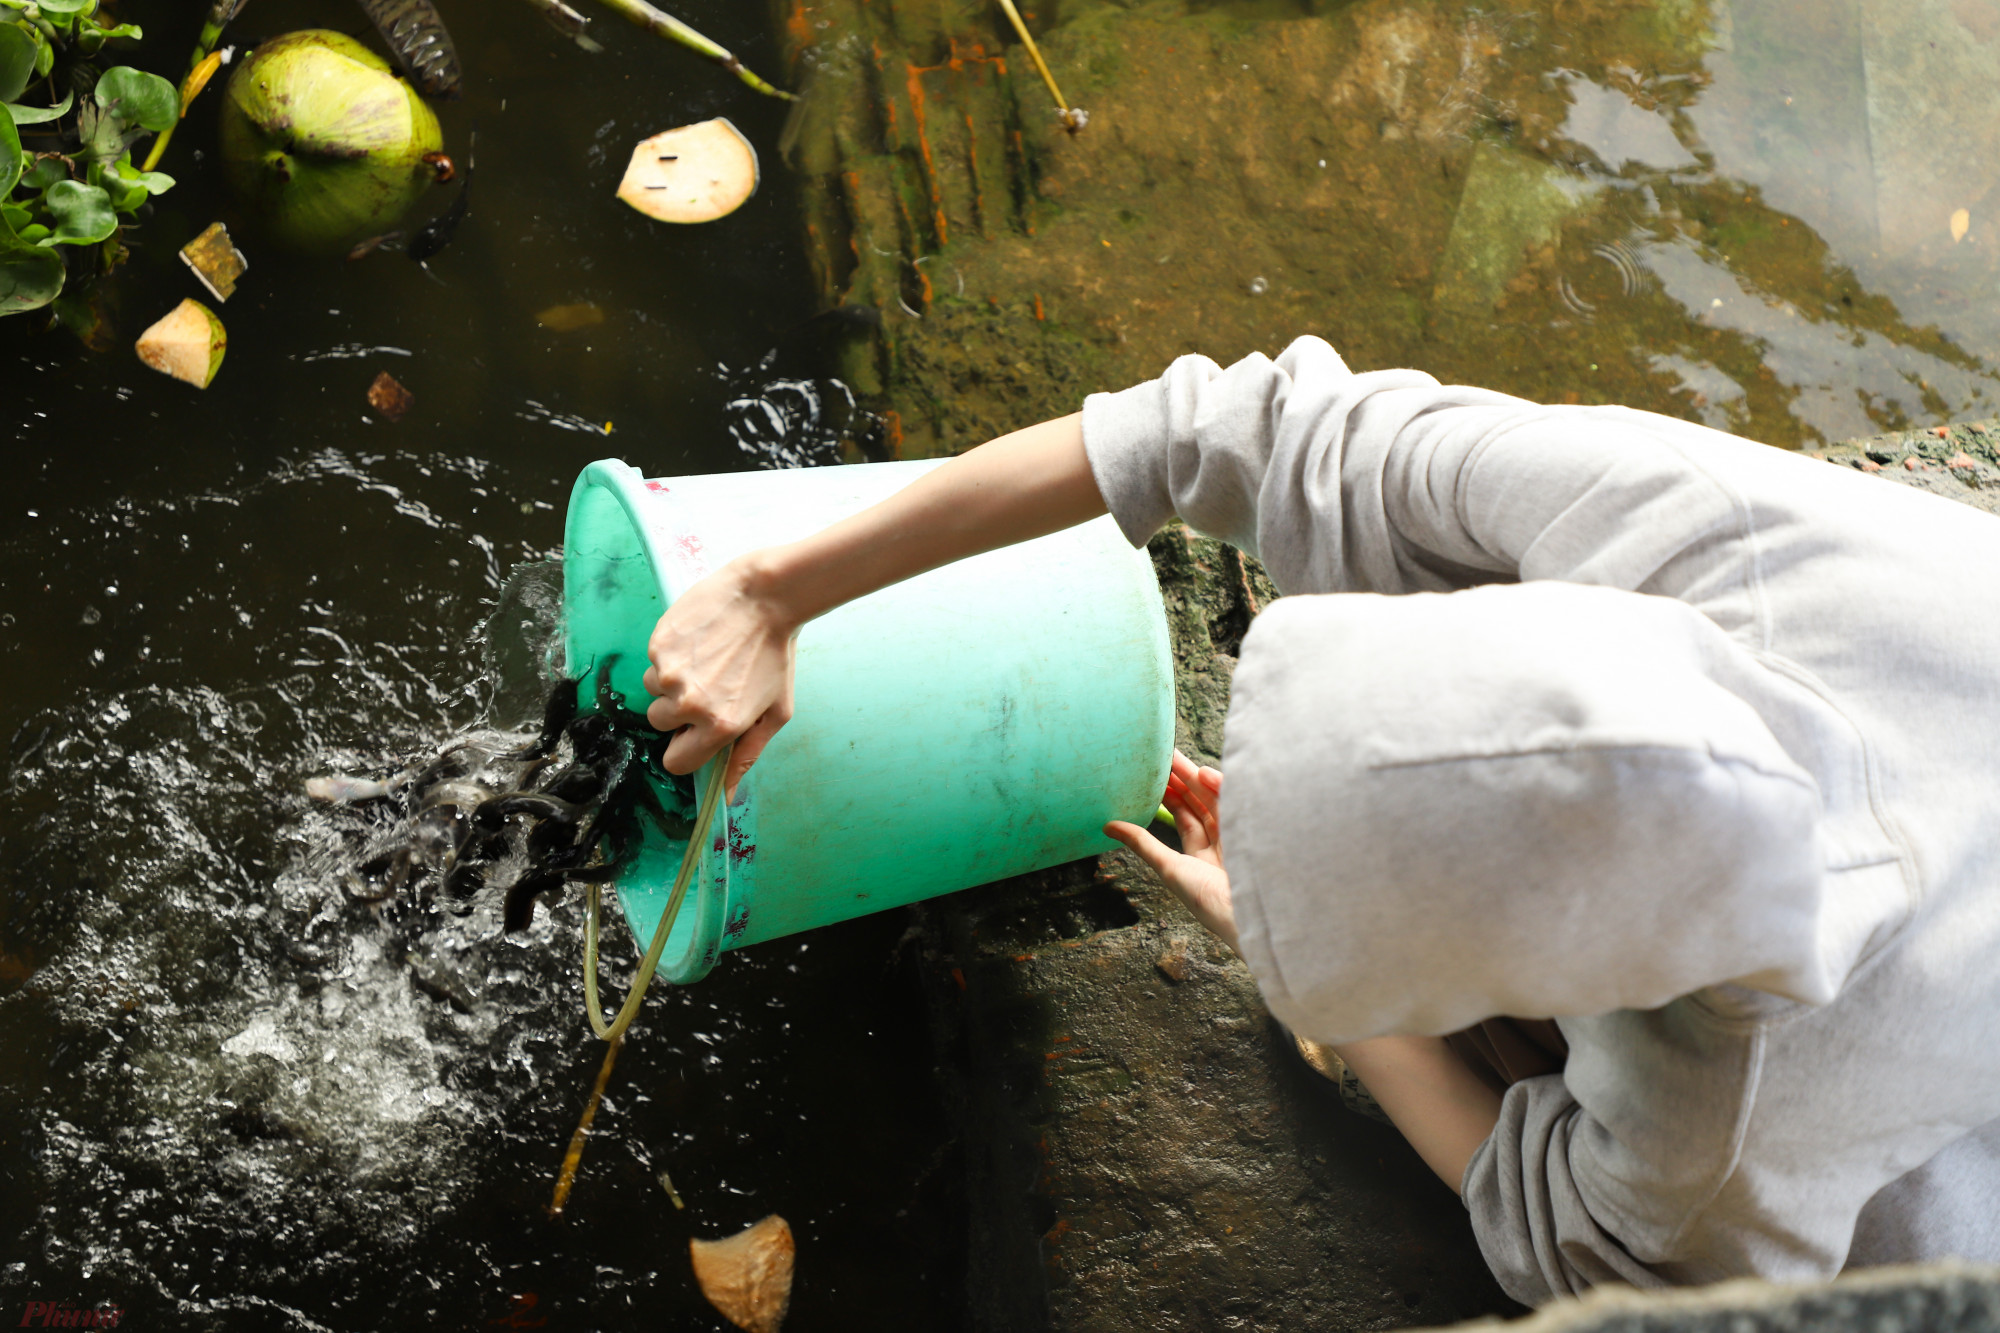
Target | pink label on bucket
(692,554)
(657,487)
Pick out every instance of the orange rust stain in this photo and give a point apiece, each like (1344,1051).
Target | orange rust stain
(958,975)
(1038,305)
(892,432)
(799,27)
(916,87)
(1055,1232)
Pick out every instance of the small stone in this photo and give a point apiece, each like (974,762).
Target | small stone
(1913,464)
(1961,459)
(1942,432)
(748,1276)
(1870,465)
(1173,960)
(390,398)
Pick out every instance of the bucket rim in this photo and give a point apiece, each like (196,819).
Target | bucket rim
(627,486)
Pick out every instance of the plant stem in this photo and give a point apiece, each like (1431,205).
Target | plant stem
(219,15)
(1072,119)
(666,25)
(571,1159)
(567,22)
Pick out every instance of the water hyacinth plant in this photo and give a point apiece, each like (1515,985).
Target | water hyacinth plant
(66,173)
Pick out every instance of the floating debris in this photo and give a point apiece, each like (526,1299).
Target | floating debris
(567,22)
(667,1184)
(696,173)
(422,46)
(387,396)
(666,25)
(188,344)
(1961,223)
(748,1277)
(324,141)
(215,261)
(1073,118)
(570,318)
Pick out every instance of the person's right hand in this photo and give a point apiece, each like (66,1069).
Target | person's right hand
(721,667)
(1195,874)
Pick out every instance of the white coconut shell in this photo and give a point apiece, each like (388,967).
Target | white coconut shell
(188,344)
(748,1276)
(696,173)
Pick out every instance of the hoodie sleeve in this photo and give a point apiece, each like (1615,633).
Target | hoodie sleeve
(1389,482)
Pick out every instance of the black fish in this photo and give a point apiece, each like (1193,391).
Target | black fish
(520,905)
(557,715)
(492,814)
(436,233)
(421,45)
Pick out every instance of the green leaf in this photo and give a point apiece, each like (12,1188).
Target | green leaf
(12,159)
(35,115)
(17,59)
(44,172)
(123,30)
(83,213)
(158,182)
(73,8)
(13,217)
(138,98)
(36,233)
(30,276)
(45,57)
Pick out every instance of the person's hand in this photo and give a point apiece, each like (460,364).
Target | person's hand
(1195,875)
(721,669)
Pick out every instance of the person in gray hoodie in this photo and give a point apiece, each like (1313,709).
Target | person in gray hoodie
(1570,713)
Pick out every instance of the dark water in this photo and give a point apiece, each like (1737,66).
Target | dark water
(223,1102)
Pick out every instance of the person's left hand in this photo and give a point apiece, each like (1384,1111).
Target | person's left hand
(1195,874)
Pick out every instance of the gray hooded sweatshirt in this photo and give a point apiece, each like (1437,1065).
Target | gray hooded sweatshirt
(1587,713)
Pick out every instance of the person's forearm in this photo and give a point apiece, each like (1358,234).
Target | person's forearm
(1033,482)
(1444,1109)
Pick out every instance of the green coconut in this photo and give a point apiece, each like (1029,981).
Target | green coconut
(324,141)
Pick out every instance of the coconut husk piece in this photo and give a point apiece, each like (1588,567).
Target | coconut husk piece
(748,1277)
(187,344)
(696,173)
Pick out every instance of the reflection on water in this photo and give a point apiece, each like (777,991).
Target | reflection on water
(1781,217)
(1755,201)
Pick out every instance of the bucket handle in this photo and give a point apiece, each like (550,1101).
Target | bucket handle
(712,800)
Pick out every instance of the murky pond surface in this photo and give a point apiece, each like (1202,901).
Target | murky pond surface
(226,1102)
(230,1101)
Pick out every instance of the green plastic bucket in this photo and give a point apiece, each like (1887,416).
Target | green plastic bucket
(979,721)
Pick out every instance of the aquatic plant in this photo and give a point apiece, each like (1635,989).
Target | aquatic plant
(66,173)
